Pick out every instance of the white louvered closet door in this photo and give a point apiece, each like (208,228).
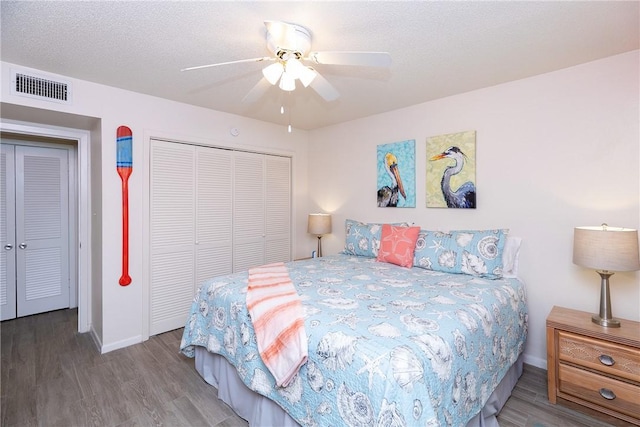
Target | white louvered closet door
(214,213)
(249,230)
(7,233)
(172,255)
(262,210)
(42,229)
(278,209)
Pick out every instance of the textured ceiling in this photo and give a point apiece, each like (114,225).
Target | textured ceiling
(437,48)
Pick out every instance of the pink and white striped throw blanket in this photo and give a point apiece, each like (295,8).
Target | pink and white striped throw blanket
(276,313)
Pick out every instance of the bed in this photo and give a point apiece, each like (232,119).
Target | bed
(388,344)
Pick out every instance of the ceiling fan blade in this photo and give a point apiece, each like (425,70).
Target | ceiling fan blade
(257,91)
(266,58)
(324,88)
(368,59)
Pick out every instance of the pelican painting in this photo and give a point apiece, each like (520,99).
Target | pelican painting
(396,174)
(450,171)
(388,195)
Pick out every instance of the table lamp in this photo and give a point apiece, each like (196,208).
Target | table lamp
(319,224)
(606,249)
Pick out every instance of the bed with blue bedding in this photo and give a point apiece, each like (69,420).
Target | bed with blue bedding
(388,345)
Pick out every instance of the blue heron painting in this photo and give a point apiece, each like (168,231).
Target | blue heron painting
(451,171)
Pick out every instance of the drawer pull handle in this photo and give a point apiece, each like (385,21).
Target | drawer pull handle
(607,394)
(607,360)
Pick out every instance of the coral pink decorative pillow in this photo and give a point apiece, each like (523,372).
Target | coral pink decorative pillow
(397,245)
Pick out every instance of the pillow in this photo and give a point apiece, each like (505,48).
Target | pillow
(510,256)
(362,239)
(397,245)
(474,252)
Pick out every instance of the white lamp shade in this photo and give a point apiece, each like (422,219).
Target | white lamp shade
(273,72)
(319,224)
(606,248)
(287,83)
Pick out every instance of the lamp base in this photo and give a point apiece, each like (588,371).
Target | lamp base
(607,323)
(604,317)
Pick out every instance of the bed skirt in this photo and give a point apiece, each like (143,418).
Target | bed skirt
(259,411)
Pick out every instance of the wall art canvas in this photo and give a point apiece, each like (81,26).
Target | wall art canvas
(397,174)
(451,171)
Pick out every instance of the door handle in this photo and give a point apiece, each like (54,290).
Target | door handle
(22,245)
(8,246)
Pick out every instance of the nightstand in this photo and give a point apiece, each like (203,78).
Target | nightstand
(594,366)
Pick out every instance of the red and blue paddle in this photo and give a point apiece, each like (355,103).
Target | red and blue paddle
(124,164)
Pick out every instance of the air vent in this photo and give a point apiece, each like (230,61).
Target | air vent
(40,87)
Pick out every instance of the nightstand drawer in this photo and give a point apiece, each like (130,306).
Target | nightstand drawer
(621,397)
(612,359)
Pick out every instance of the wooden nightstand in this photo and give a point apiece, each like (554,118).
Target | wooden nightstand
(594,366)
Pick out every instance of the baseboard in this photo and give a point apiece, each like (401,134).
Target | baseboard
(535,361)
(121,344)
(96,339)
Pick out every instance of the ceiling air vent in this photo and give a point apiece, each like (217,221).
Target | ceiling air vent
(40,87)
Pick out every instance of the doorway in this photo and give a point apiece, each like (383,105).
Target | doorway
(37,226)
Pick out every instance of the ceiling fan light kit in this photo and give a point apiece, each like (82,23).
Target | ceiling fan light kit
(289,43)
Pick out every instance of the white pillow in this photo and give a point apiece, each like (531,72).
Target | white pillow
(510,255)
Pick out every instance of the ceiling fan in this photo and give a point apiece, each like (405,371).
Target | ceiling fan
(289,43)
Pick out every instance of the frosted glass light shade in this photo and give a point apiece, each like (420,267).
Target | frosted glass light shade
(606,248)
(273,72)
(319,224)
(287,83)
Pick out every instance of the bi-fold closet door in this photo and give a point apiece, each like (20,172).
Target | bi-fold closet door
(261,210)
(213,212)
(34,229)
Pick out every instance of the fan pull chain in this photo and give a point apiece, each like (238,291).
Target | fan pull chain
(289,129)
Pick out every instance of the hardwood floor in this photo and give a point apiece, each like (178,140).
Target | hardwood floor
(53,376)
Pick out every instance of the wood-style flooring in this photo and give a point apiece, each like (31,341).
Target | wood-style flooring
(54,376)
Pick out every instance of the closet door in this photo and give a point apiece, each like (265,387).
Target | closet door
(34,230)
(214,213)
(278,209)
(7,233)
(248,211)
(42,229)
(262,210)
(172,256)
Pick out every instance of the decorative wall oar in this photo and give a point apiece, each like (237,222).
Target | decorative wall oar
(124,164)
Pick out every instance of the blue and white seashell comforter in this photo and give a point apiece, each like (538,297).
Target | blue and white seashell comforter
(387,345)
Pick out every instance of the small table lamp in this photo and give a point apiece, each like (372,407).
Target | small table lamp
(606,249)
(319,224)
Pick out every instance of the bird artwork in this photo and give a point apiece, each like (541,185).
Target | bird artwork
(465,195)
(388,195)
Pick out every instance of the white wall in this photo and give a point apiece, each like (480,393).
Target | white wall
(554,151)
(120,311)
